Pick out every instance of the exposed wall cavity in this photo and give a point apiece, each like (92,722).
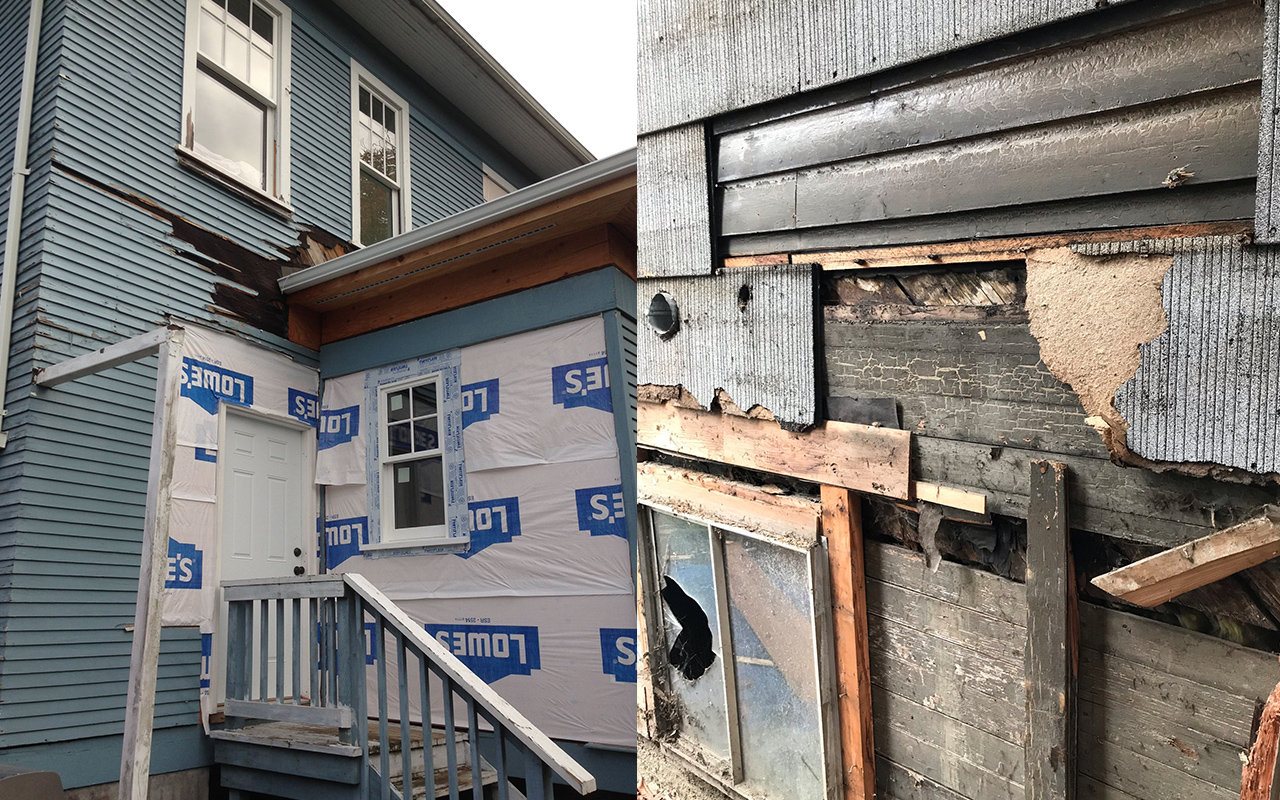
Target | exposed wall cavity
(1091,315)
(691,652)
(753,349)
(245,284)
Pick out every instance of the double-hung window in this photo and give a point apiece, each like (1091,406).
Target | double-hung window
(379,159)
(235,93)
(739,650)
(411,455)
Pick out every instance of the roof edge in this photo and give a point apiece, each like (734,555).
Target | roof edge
(517,202)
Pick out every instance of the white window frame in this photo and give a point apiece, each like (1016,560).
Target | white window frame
(390,537)
(729,774)
(362,77)
(276,193)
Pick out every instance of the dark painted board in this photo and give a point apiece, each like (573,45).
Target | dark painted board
(953,583)
(982,381)
(896,782)
(1189,54)
(1213,135)
(985,635)
(1192,203)
(1141,777)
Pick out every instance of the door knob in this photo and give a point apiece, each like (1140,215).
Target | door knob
(297,551)
(299,570)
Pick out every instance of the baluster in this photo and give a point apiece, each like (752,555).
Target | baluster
(313,636)
(406,732)
(537,777)
(280,668)
(326,662)
(474,728)
(299,655)
(264,632)
(333,654)
(237,642)
(428,736)
(500,758)
(382,709)
(450,735)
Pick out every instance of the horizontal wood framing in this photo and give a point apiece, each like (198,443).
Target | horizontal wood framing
(732,503)
(437,290)
(1169,573)
(858,457)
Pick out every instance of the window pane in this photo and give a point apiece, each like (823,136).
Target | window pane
(398,405)
(377,209)
(261,72)
(419,492)
(692,626)
(389,153)
(211,33)
(239,10)
(424,399)
(263,24)
(389,119)
(771,621)
(399,439)
(365,100)
(377,110)
(237,54)
(230,130)
(425,436)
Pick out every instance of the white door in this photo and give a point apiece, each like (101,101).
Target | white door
(268,526)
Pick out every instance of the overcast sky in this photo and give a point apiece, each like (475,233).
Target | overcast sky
(577,57)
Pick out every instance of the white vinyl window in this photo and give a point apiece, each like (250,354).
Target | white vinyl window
(739,646)
(235,105)
(411,455)
(379,159)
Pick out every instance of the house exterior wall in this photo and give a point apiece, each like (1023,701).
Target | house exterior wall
(117,235)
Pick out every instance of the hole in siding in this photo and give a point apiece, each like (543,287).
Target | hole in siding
(664,315)
(691,652)
(744,297)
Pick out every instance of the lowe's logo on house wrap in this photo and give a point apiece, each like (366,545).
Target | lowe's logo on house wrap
(304,407)
(585,383)
(338,426)
(602,511)
(618,652)
(343,538)
(491,651)
(186,566)
(479,401)
(492,522)
(206,385)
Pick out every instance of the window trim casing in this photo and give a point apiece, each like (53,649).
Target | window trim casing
(729,774)
(277,193)
(387,538)
(403,151)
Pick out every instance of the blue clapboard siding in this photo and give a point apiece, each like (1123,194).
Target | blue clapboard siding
(95,268)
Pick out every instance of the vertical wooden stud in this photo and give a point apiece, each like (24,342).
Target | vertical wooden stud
(842,525)
(1052,636)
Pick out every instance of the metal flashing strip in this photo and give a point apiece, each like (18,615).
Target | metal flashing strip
(505,207)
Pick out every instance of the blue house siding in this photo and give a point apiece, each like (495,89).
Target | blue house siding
(321,137)
(445,179)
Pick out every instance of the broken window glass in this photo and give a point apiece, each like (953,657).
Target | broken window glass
(692,629)
(779,709)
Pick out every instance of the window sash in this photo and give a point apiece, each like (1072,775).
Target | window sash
(399,186)
(388,532)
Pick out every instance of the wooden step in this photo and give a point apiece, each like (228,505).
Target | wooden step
(290,736)
(439,750)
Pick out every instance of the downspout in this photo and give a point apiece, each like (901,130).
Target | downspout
(17,192)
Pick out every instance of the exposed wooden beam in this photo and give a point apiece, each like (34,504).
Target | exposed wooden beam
(1169,573)
(110,356)
(842,525)
(858,457)
(144,661)
(1052,639)
(1006,249)
(304,327)
(732,503)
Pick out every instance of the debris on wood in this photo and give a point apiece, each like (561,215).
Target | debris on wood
(1177,177)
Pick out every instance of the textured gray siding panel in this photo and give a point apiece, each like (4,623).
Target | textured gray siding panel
(320,132)
(673,216)
(760,353)
(744,52)
(1267,220)
(446,180)
(1208,388)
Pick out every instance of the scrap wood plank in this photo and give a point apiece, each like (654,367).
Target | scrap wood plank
(1169,573)
(858,457)
(963,499)
(1052,638)
(842,525)
(732,503)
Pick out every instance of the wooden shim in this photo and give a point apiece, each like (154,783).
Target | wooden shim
(1052,634)
(1169,573)
(732,503)
(144,661)
(1258,776)
(842,525)
(973,502)
(858,457)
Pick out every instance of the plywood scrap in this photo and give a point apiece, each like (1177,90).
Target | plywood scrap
(732,503)
(1257,777)
(858,457)
(1169,573)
